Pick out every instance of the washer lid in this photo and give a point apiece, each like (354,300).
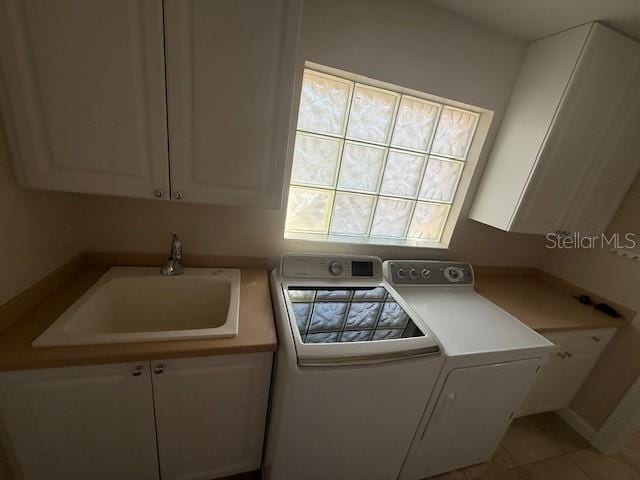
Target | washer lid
(347,324)
(465,322)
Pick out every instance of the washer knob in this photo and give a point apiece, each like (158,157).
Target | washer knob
(400,273)
(335,268)
(453,274)
(413,273)
(425,273)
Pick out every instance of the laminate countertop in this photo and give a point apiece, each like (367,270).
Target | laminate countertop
(543,302)
(256,329)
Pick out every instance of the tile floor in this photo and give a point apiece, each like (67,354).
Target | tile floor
(544,447)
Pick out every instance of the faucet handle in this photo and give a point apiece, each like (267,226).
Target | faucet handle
(176,246)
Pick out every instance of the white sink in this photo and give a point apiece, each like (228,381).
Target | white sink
(137,304)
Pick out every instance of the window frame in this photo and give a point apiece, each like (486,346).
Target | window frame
(460,197)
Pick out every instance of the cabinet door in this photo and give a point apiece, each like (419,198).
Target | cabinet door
(84,99)
(542,80)
(542,396)
(561,378)
(230,75)
(85,422)
(612,174)
(472,414)
(573,370)
(594,97)
(210,414)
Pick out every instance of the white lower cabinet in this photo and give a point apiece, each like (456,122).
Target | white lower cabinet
(80,423)
(99,422)
(570,363)
(211,414)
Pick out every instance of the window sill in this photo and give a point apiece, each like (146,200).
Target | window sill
(354,240)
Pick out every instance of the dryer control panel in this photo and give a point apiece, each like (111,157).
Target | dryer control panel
(428,272)
(356,267)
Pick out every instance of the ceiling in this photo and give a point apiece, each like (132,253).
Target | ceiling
(533,19)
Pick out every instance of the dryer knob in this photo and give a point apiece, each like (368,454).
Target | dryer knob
(413,273)
(400,273)
(425,273)
(335,268)
(454,274)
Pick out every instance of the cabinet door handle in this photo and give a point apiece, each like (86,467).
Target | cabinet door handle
(159,369)
(562,355)
(595,339)
(137,371)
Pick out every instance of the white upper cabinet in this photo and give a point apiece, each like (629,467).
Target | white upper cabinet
(230,79)
(85,101)
(84,95)
(613,172)
(567,151)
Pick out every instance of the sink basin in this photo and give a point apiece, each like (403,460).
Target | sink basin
(137,304)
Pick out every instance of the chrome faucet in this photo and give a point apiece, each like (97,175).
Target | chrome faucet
(173,265)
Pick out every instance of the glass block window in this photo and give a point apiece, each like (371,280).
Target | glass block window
(372,163)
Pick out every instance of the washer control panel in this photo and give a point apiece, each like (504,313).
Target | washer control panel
(331,266)
(427,272)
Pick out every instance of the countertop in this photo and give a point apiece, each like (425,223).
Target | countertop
(543,302)
(256,329)
(537,299)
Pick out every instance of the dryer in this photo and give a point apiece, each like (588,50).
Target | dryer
(491,362)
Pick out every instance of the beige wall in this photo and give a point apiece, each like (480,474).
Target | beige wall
(405,42)
(119,224)
(618,279)
(40,230)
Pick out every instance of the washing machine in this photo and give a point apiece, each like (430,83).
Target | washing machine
(354,371)
(491,362)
